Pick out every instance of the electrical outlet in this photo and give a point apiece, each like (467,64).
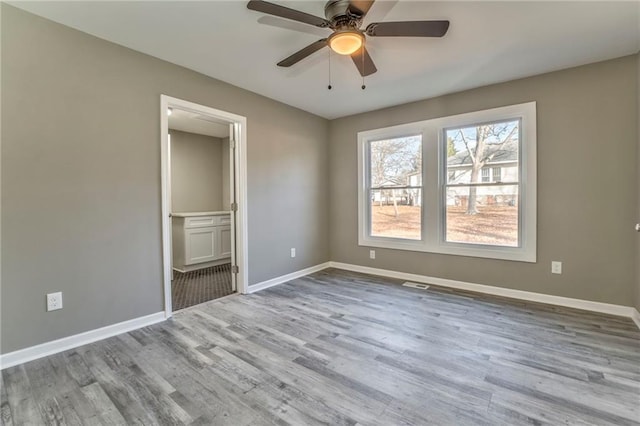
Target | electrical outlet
(372,254)
(54,301)
(556,267)
(293,252)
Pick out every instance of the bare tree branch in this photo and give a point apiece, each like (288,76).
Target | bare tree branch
(466,145)
(498,146)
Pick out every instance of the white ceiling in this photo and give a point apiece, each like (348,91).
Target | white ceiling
(488,42)
(197,123)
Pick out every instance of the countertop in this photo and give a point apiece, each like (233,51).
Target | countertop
(195,214)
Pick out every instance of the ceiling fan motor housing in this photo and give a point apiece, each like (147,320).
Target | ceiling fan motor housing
(337,11)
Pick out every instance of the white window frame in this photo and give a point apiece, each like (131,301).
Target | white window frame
(433,179)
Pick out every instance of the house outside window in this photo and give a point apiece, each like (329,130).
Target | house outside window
(460,185)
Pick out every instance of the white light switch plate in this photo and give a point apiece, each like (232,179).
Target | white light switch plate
(556,267)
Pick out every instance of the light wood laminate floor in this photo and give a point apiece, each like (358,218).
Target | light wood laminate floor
(344,348)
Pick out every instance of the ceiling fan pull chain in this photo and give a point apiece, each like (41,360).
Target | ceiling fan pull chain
(329,86)
(362,73)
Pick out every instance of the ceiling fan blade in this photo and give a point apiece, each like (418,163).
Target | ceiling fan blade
(303,53)
(360,7)
(367,67)
(408,29)
(285,12)
(380,11)
(287,24)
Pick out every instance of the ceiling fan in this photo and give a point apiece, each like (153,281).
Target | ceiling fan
(345,17)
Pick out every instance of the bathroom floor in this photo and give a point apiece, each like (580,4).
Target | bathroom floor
(192,288)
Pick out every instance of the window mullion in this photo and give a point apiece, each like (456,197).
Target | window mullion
(431,176)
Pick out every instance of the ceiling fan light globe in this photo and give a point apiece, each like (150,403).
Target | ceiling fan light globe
(346,43)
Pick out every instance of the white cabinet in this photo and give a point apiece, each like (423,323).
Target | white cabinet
(201,240)
(224,240)
(201,245)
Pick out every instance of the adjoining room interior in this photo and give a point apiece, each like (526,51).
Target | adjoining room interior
(436,215)
(201,190)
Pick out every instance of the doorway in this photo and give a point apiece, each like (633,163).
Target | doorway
(203,234)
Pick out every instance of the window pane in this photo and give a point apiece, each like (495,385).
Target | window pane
(482,215)
(473,150)
(396,213)
(485,174)
(396,162)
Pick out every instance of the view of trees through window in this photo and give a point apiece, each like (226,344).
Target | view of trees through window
(396,187)
(462,185)
(481,193)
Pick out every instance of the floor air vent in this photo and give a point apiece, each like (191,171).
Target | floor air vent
(416,285)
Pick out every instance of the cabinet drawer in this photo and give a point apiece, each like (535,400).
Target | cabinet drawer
(200,221)
(204,221)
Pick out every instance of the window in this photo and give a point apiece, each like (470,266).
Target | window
(395,187)
(496,172)
(478,211)
(461,185)
(485,175)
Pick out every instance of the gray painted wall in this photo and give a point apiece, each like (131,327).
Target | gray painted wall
(81,179)
(196,172)
(586,184)
(638,183)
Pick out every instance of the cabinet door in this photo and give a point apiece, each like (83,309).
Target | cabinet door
(224,239)
(201,245)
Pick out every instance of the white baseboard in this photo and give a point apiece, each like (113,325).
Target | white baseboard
(587,305)
(635,316)
(198,266)
(284,278)
(49,348)
(605,308)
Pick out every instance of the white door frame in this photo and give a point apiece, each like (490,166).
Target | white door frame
(240,190)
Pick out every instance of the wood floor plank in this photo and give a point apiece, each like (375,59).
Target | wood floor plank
(22,404)
(343,348)
(352,402)
(6,418)
(107,412)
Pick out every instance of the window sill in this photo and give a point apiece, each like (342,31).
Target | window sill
(454,249)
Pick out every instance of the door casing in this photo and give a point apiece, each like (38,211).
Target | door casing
(237,183)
